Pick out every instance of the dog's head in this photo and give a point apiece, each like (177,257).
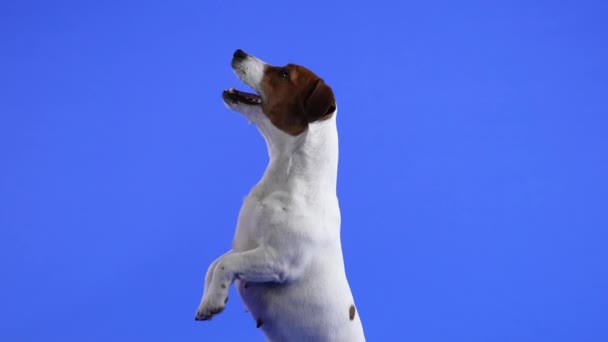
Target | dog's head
(290,97)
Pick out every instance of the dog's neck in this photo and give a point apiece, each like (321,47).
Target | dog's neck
(308,161)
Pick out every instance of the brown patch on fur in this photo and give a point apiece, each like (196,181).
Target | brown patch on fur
(351,312)
(258,323)
(294,96)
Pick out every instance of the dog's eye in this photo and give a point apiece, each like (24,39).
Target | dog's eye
(284,73)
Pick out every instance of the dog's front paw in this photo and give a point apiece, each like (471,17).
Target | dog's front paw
(211,304)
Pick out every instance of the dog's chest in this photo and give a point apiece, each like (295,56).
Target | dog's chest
(284,217)
(255,218)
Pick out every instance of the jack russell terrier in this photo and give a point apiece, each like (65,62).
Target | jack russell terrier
(286,256)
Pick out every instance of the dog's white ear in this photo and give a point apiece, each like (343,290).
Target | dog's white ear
(320,103)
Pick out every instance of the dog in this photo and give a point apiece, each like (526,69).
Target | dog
(286,257)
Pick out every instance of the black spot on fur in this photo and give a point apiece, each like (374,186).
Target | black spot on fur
(351,312)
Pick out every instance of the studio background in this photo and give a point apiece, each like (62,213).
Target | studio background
(472,177)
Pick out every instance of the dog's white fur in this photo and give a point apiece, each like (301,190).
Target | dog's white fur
(286,257)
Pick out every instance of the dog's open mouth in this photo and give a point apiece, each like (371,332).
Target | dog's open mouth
(236,96)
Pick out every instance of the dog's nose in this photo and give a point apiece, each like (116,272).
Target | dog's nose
(239,54)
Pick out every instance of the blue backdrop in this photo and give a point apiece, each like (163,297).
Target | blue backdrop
(472,175)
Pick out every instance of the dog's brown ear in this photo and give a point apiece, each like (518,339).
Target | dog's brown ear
(320,102)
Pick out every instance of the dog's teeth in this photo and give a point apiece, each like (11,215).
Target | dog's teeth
(231,90)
